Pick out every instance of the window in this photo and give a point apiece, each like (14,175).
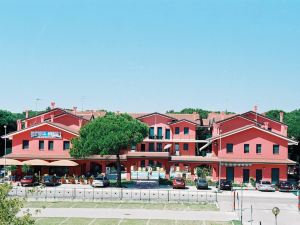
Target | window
(151,147)
(176,147)
(177,130)
(185,146)
(66,145)
(25,144)
(159,147)
(186,130)
(159,133)
(275,149)
(246,148)
(151,132)
(41,145)
(50,145)
(133,147)
(229,148)
(258,148)
(167,134)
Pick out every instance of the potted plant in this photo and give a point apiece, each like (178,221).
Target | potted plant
(63,180)
(81,180)
(90,180)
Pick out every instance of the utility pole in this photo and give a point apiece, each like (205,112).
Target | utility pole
(242,204)
(5,150)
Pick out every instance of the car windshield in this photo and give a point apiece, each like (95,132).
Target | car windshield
(27,177)
(47,177)
(99,178)
(179,179)
(285,183)
(266,182)
(202,181)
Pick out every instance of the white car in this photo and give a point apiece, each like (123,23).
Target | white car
(265,185)
(100,181)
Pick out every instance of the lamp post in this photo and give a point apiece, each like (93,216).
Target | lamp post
(5,150)
(220,164)
(275,211)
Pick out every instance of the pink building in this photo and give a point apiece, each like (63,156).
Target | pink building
(234,147)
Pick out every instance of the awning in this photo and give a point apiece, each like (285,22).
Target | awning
(36,162)
(63,163)
(9,162)
(168,146)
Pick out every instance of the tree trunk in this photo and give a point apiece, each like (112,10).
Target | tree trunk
(118,170)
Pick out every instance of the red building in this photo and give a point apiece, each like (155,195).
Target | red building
(235,147)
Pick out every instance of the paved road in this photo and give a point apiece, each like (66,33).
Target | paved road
(135,214)
(262,203)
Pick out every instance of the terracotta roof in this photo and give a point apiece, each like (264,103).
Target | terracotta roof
(215,117)
(252,126)
(261,115)
(191,117)
(74,129)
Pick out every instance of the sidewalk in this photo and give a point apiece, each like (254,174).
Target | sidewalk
(133,214)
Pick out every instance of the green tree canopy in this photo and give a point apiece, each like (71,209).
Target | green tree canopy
(108,135)
(10,208)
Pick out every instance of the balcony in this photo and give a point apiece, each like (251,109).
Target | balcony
(156,137)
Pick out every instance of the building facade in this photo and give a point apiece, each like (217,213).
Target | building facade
(234,147)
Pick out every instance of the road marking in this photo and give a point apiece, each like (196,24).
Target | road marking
(65,220)
(92,221)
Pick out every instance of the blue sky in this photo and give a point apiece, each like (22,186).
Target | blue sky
(146,56)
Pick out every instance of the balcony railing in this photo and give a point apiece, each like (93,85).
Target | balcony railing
(156,137)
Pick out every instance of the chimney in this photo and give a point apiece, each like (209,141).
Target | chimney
(75,110)
(26,124)
(80,123)
(19,125)
(255,108)
(42,118)
(52,118)
(266,124)
(281,117)
(26,114)
(52,105)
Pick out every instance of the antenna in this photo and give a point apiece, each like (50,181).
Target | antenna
(82,102)
(36,108)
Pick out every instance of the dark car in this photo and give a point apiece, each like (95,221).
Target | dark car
(225,185)
(201,184)
(285,186)
(29,180)
(178,182)
(50,180)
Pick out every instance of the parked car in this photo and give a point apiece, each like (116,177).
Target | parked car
(225,184)
(178,182)
(201,184)
(100,181)
(285,186)
(295,184)
(29,180)
(265,185)
(50,180)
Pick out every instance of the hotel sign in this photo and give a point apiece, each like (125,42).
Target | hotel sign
(46,134)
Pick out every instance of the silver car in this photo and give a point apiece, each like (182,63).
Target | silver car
(265,185)
(100,181)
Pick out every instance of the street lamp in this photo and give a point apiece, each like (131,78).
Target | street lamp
(220,164)
(5,149)
(275,211)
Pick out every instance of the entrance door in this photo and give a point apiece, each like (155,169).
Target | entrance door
(246,175)
(143,147)
(275,175)
(230,173)
(258,175)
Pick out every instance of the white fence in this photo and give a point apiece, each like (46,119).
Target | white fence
(114,194)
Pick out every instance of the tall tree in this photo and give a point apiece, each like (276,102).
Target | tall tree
(10,208)
(7,119)
(108,135)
